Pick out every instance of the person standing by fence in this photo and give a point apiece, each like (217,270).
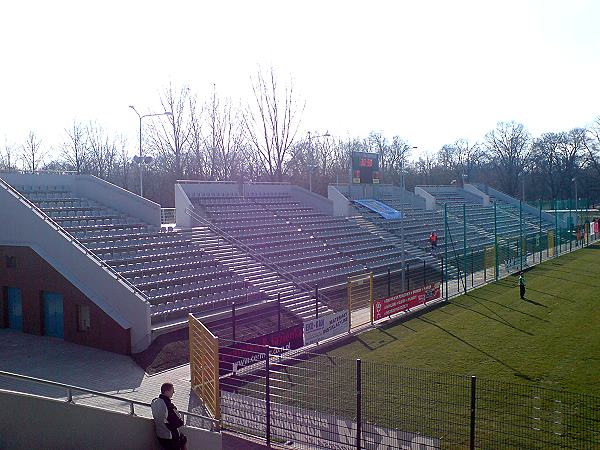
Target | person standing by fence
(522,285)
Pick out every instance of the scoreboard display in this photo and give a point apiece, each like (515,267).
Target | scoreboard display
(365,168)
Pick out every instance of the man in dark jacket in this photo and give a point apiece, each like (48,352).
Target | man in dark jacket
(167,420)
(522,285)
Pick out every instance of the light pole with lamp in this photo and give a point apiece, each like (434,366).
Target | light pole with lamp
(141,159)
(313,167)
(402,218)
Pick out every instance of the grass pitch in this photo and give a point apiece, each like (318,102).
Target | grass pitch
(551,339)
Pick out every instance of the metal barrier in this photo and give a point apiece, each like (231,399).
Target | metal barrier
(70,390)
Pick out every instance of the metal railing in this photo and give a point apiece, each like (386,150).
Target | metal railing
(269,264)
(70,390)
(68,236)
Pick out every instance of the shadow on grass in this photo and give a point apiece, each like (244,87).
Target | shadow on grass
(539,274)
(499,318)
(533,302)
(509,308)
(578,271)
(516,371)
(549,294)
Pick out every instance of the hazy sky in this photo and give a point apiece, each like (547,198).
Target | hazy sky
(430,72)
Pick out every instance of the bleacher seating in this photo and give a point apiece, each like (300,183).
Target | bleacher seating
(419,222)
(312,246)
(174,274)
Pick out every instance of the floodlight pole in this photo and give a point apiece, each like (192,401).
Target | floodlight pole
(402,225)
(141,161)
(402,217)
(310,169)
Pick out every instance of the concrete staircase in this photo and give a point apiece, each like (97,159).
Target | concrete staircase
(294,299)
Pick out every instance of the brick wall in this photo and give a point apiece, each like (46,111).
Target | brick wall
(33,275)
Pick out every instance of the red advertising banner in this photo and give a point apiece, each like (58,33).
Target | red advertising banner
(395,304)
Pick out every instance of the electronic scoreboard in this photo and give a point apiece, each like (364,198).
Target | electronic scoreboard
(365,168)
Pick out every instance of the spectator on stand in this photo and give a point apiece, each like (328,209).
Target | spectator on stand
(433,241)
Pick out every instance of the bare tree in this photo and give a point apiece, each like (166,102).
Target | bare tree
(102,150)
(8,162)
(32,153)
(592,146)
(545,160)
(509,146)
(74,149)
(197,157)
(170,137)
(271,122)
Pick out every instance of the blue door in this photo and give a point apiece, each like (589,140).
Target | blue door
(53,314)
(15,308)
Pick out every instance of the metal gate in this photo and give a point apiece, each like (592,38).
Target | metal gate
(204,366)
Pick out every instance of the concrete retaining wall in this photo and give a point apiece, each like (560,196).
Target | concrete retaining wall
(31,422)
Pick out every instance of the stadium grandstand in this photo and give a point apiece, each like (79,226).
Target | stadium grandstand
(89,262)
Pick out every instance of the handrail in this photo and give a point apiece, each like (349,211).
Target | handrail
(60,230)
(271,265)
(70,388)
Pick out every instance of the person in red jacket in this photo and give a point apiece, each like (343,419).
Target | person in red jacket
(433,241)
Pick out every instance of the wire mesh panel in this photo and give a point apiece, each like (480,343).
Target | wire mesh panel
(429,408)
(518,416)
(322,401)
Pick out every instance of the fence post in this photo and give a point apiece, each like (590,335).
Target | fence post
(424,280)
(358,404)
(408,276)
(473,406)
(443,273)
(278,311)
(556,237)
(389,282)
(446,246)
(465,246)
(233,320)
(521,234)
(316,301)
(570,226)
(541,254)
(496,243)
(268,396)
(472,269)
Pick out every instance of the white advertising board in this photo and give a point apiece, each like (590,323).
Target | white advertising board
(318,430)
(332,324)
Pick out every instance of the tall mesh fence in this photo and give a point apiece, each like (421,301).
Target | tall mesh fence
(321,401)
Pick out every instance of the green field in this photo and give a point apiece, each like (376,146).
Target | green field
(537,363)
(551,339)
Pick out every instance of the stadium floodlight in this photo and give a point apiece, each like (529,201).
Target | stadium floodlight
(148,159)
